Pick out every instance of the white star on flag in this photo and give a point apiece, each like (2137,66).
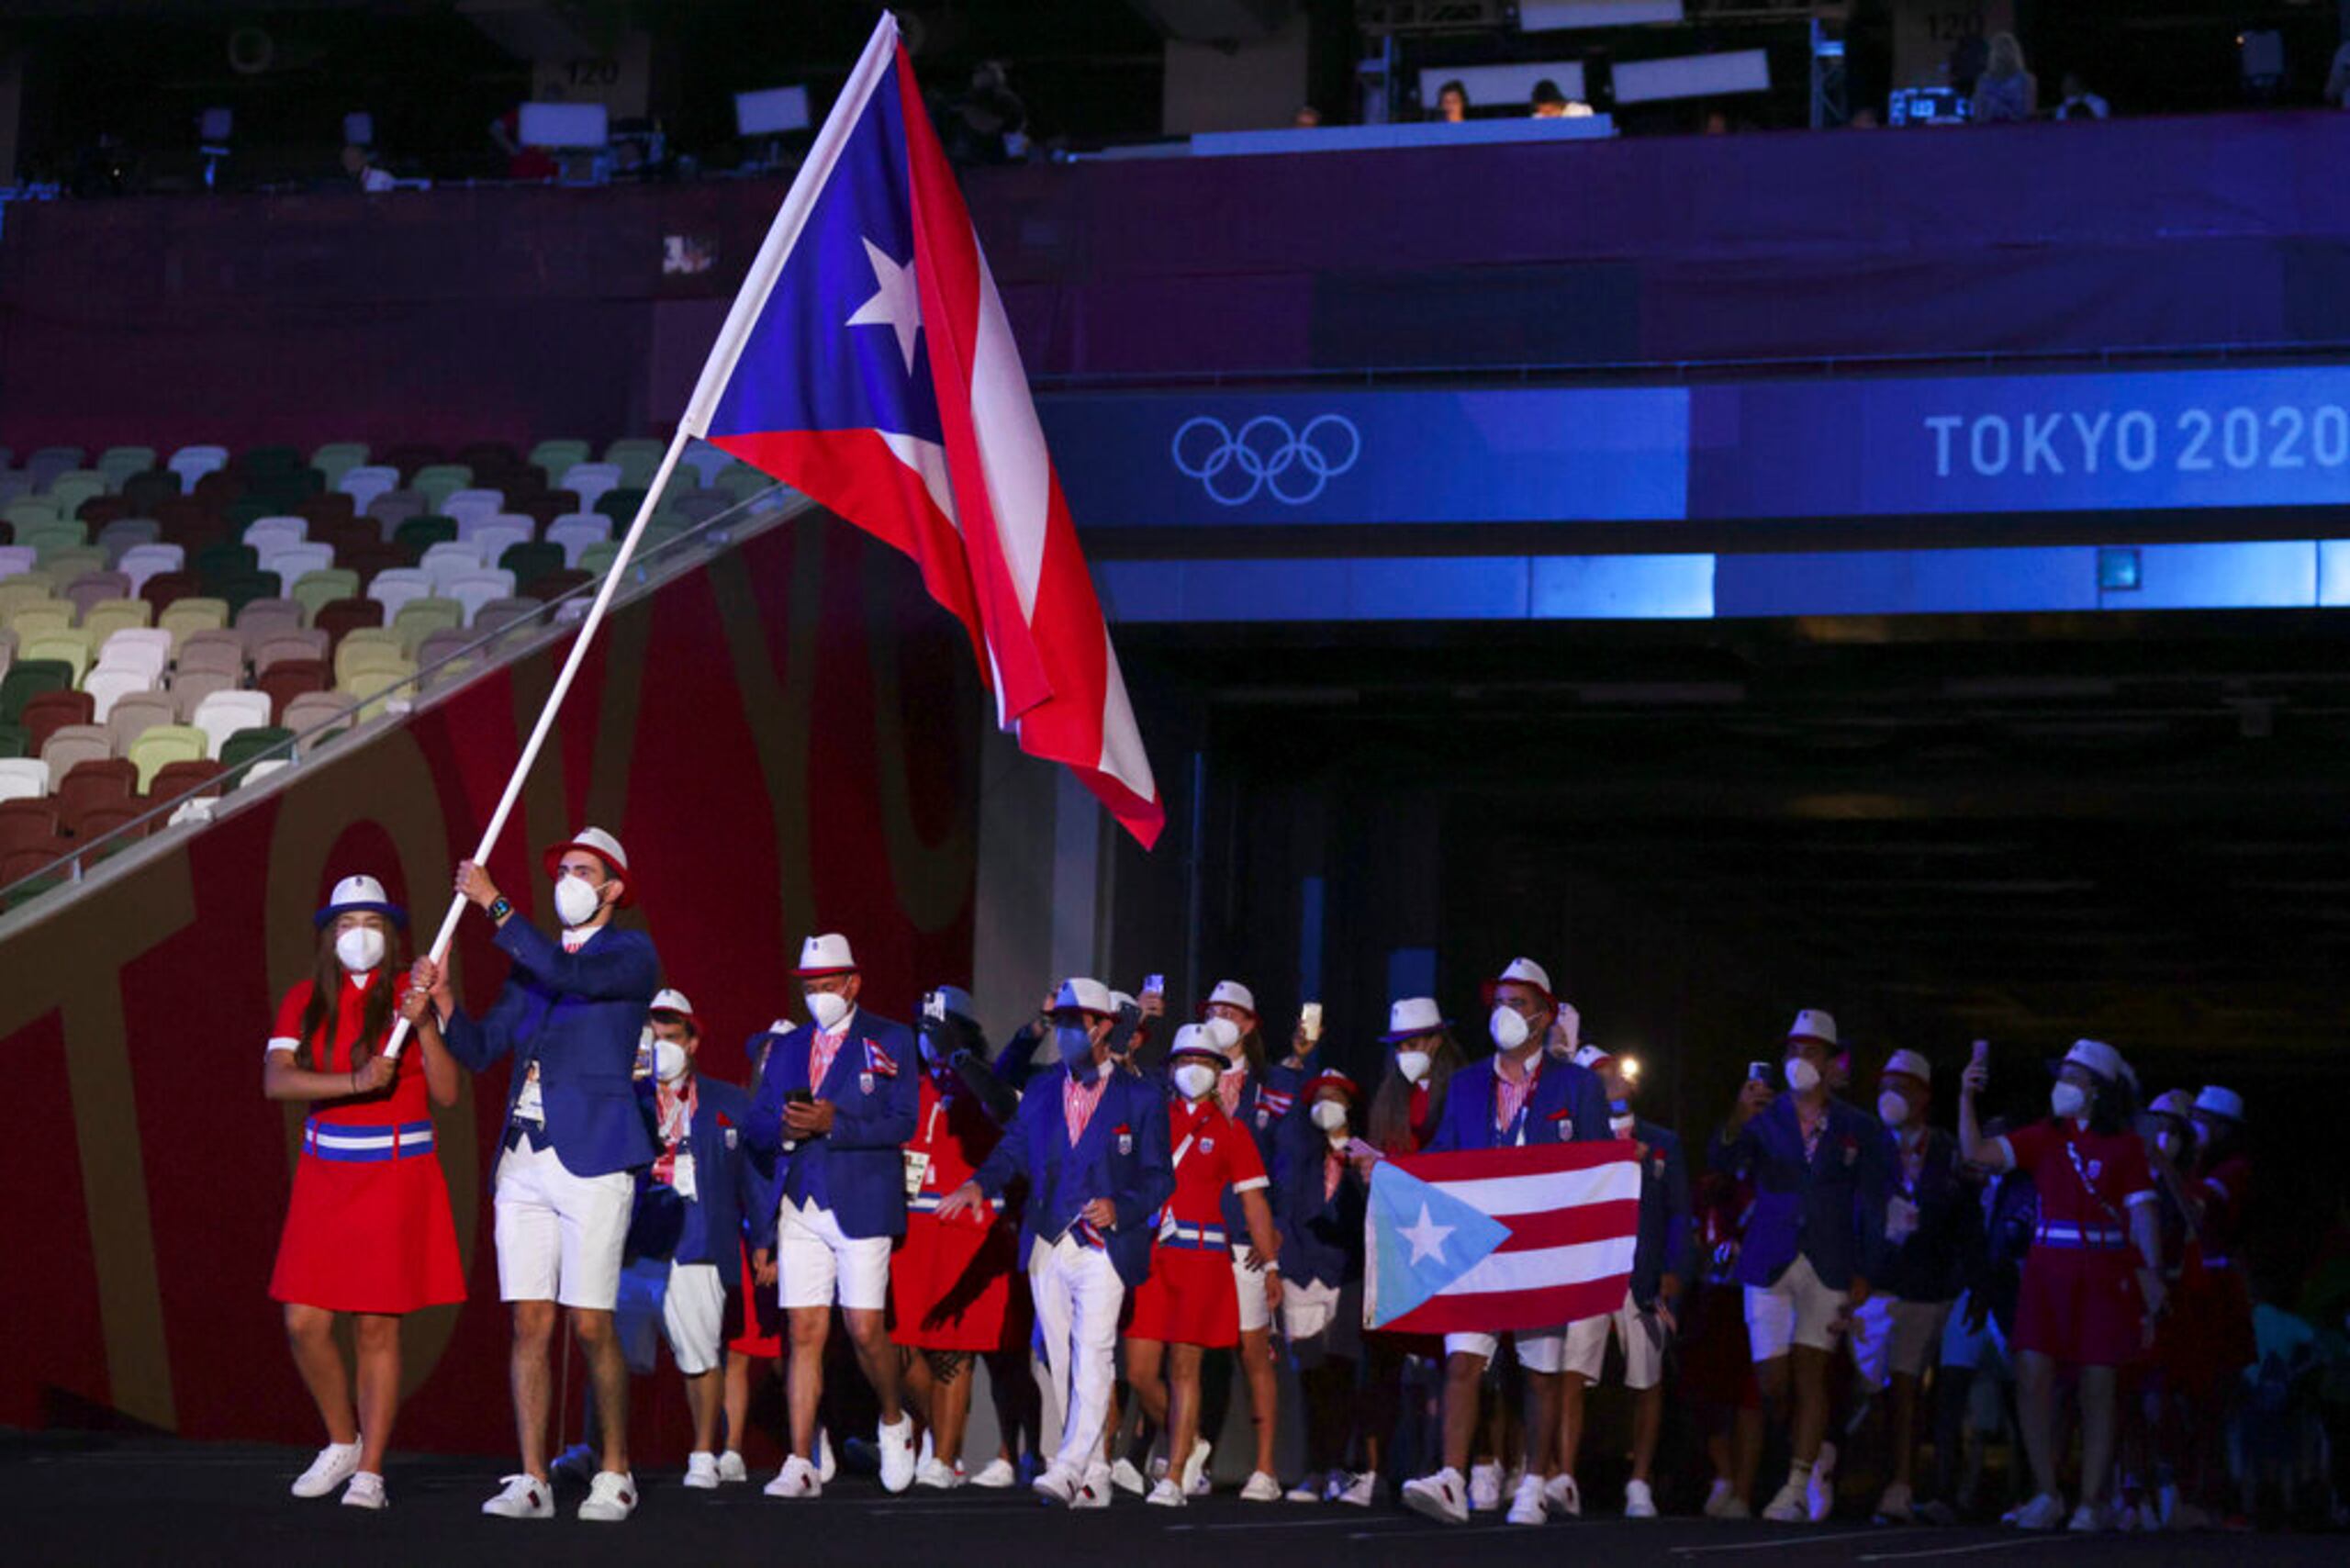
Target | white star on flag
(896,304)
(1426,1236)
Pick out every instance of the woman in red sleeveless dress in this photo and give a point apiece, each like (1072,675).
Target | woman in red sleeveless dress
(368,1230)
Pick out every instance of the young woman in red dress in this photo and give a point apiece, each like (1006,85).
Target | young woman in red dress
(368,1230)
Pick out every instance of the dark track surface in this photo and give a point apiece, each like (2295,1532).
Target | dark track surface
(105,1500)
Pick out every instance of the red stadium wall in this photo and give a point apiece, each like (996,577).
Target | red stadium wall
(785,741)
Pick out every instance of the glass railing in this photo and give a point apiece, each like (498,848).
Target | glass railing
(361,710)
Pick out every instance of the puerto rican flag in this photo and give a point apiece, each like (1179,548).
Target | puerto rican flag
(867,363)
(1493,1240)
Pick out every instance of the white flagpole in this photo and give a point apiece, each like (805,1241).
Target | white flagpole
(588,625)
(880,50)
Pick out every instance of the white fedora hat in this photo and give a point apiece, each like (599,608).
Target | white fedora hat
(1522,972)
(1079,994)
(359,895)
(825,955)
(1910,1062)
(1414,1016)
(2215,1101)
(1812,1024)
(2099,1058)
(672,999)
(1232,993)
(604,847)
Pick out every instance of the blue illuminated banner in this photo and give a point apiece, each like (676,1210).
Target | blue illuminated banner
(1818,448)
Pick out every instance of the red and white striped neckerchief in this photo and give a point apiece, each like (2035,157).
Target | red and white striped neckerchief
(575,937)
(676,1119)
(821,1052)
(1228,1087)
(1080,1100)
(1510,1095)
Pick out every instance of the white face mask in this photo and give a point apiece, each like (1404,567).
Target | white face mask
(1195,1080)
(2068,1101)
(1508,1030)
(360,948)
(1802,1077)
(1414,1065)
(669,1060)
(575,902)
(1330,1116)
(828,1009)
(1891,1109)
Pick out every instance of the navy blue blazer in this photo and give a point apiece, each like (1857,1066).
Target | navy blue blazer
(857,1170)
(1257,1114)
(1664,1213)
(1829,1208)
(1569,1106)
(1123,1156)
(728,1185)
(578,1016)
(1931,1264)
(1322,1241)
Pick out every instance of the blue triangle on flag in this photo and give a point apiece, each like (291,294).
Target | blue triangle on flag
(1425,1238)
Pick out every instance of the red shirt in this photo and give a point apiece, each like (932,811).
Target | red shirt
(406,1102)
(2115,1164)
(1212,1152)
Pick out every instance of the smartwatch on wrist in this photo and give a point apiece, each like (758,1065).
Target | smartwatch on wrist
(499,908)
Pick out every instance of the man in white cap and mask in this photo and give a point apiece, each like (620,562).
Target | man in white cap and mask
(1932,1225)
(1091,1142)
(1527,1091)
(570,1015)
(1819,1171)
(837,1102)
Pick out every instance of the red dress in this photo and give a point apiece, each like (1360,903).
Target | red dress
(1189,1298)
(2224,1309)
(2080,1302)
(368,1227)
(955,1285)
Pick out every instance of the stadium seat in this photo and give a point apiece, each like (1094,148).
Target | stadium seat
(286,680)
(707,461)
(104,609)
(620,505)
(147,649)
(494,534)
(702,506)
(107,688)
(225,712)
(557,453)
(23,778)
(214,562)
(418,620)
(533,561)
(74,745)
(291,560)
(189,688)
(144,493)
(345,615)
(69,489)
(365,482)
(192,463)
(338,458)
(24,513)
(575,533)
(308,713)
(242,588)
(38,618)
(27,822)
(23,868)
(16,559)
(272,459)
(74,561)
(299,643)
(369,561)
(174,780)
(326,509)
(190,525)
(491,456)
(52,539)
(395,507)
(263,619)
(47,463)
(68,644)
(448,642)
(99,511)
(165,588)
(192,614)
(378,644)
(12,740)
(134,714)
(246,745)
(436,482)
(264,533)
(589,481)
(473,589)
(396,587)
(555,586)
(124,535)
(213,652)
(167,743)
(472,504)
(597,559)
(117,465)
(421,534)
(315,590)
(43,710)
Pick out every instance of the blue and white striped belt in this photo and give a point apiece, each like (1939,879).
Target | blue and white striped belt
(339,1142)
(1200,1237)
(2077,1236)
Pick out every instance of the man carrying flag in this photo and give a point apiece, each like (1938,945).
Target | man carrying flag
(868,364)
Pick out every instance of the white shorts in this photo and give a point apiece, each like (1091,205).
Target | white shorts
(814,1261)
(560,1235)
(1794,1310)
(1894,1336)
(1255,1315)
(1321,1321)
(1587,1347)
(1538,1349)
(693,1316)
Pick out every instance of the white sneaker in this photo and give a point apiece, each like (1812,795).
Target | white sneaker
(611,1497)
(1526,1504)
(1127,1478)
(938,1477)
(1094,1491)
(897,1455)
(2043,1512)
(1167,1495)
(366,1491)
(1308,1489)
(525,1498)
(335,1464)
(1055,1484)
(1788,1506)
(1484,1488)
(1441,1496)
(1819,1493)
(798,1478)
(730,1468)
(1560,1496)
(2091,1519)
(824,1465)
(1894,1508)
(1717,1496)
(1640,1501)
(996,1475)
(1195,1469)
(701,1472)
(1362,1491)
(1260,1488)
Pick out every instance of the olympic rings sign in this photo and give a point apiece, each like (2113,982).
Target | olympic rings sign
(1265,455)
